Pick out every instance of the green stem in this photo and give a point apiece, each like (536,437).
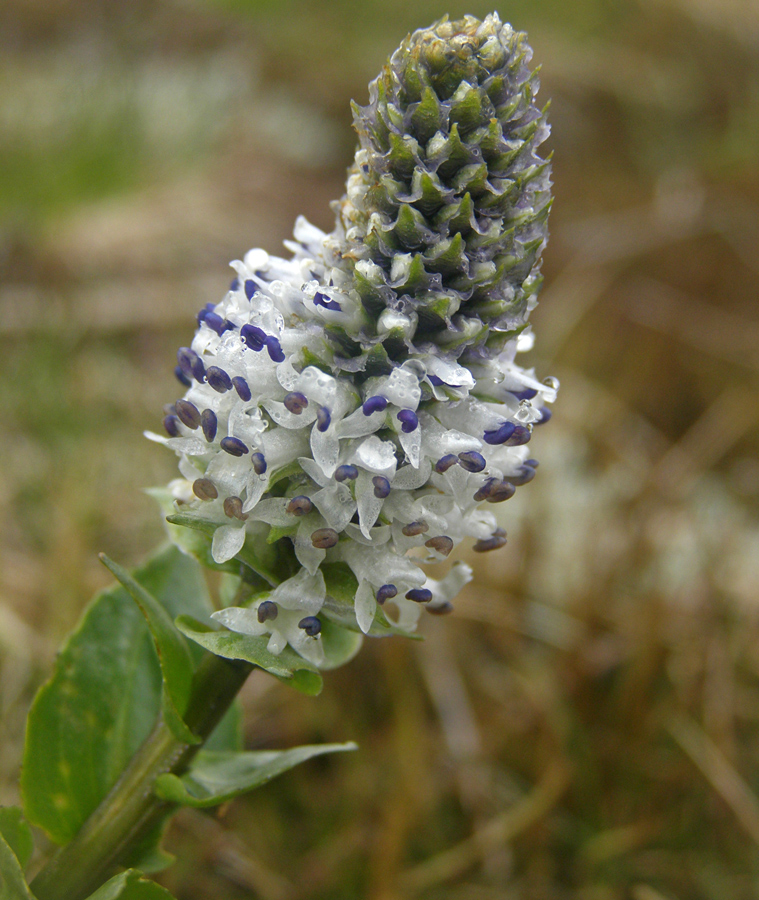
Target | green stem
(131,810)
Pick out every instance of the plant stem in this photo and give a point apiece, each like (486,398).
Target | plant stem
(131,810)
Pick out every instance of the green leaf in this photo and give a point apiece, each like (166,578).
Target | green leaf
(173,653)
(103,698)
(215,778)
(17,833)
(288,666)
(130,885)
(13,885)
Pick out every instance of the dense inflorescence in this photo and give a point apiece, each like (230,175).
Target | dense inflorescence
(360,400)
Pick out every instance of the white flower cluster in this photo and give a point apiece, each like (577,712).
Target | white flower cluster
(352,468)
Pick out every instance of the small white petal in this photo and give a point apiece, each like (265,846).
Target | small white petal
(227,542)
(366,606)
(243,621)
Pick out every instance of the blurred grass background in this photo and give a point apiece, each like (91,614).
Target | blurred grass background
(586,724)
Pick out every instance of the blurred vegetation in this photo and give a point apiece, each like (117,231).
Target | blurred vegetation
(586,724)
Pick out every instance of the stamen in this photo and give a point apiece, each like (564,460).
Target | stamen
(323,418)
(241,386)
(275,349)
(181,377)
(440,609)
(188,413)
(346,473)
(268,610)
(408,419)
(374,404)
(526,394)
(442,543)
(171,424)
(204,489)
(253,336)
(504,490)
(381,486)
(300,506)
(472,461)
(235,284)
(324,538)
(250,288)
(311,625)
(327,302)
(386,592)
(521,435)
(259,463)
(209,423)
(218,379)
(234,446)
(295,402)
(500,435)
(485,490)
(545,415)
(415,528)
(445,462)
(494,542)
(523,476)
(419,595)
(233,509)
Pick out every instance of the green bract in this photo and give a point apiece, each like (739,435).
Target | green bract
(444,218)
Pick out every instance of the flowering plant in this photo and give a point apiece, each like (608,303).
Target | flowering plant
(350,413)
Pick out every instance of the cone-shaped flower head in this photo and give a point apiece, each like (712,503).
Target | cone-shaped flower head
(360,401)
(445,214)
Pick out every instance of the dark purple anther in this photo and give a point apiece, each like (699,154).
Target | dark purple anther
(274,348)
(171,424)
(201,316)
(267,610)
(386,592)
(545,415)
(442,543)
(241,386)
(300,506)
(445,463)
(419,595)
(259,463)
(324,538)
(295,402)
(311,625)
(215,322)
(501,434)
(323,418)
(346,473)
(181,377)
(250,289)
(408,419)
(526,394)
(381,486)
(233,509)
(326,301)
(485,490)
(472,461)
(415,528)
(218,379)
(503,490)
(531,462)
(520,435)
(435,380)
(234,446)
(494,542)
(191,364)
(253,336)
(188,413)
(523,476)
(374,404)
(235,284)
(208,423)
